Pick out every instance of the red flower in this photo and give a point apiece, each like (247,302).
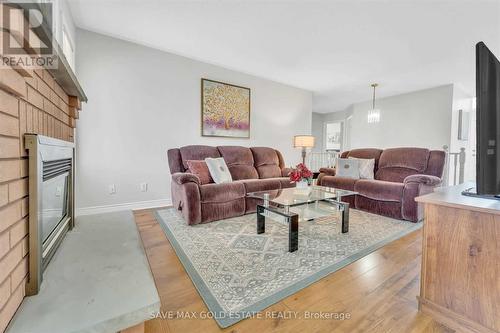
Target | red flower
(300,172)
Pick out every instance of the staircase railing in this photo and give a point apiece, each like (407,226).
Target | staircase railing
(317,160)
(455,165)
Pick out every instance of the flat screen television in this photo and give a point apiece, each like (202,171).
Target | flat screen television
(487,122)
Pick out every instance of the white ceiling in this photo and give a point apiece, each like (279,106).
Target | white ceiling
(334,48)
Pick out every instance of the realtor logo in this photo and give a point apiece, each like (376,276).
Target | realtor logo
(26,35)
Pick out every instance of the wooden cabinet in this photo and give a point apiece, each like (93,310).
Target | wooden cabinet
(460,280)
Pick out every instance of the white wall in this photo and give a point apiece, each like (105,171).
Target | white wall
(317,130)
(417,119)
(420,119)
(143,101)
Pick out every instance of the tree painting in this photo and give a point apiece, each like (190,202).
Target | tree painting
(225,109)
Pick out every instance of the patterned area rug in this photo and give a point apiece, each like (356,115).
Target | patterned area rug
(238,272)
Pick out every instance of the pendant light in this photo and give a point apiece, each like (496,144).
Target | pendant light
(373,114)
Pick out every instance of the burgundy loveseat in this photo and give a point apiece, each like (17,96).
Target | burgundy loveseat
(401,175)
(252,169)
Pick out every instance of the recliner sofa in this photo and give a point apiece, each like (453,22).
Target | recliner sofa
(401,175)
(252,169)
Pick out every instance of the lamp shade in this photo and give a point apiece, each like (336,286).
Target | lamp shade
(303,141)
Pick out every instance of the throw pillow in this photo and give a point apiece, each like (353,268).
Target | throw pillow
(366,167)
(200,169)
(218,170)
(348,168)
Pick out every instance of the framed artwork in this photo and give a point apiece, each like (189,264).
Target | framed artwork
(225,110)
(333,136)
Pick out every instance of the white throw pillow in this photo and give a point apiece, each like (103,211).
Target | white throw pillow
(348,168)
(366,167)
(218,170)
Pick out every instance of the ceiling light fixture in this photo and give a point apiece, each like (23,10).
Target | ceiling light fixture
(374,114)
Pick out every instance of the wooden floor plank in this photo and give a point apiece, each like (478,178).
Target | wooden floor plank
(378,292)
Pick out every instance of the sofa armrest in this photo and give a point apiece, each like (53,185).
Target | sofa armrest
(423,179)
(328,171)
(184,177)
(285,172)
(415,186)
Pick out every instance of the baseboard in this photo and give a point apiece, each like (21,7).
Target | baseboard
(124,206)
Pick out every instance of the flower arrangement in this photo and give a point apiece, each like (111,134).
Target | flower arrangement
(300,173)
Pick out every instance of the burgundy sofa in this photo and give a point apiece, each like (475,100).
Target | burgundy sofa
(401,175)
(252,169)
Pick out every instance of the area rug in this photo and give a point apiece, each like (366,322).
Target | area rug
(239,273)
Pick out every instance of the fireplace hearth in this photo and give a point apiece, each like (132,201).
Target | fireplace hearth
(51,198)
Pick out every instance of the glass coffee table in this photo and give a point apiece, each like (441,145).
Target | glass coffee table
(276,205)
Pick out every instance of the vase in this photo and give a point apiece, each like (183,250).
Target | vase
(302,184)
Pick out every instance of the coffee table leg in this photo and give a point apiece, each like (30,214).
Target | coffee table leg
(293,233)
(261,220)
(345,217)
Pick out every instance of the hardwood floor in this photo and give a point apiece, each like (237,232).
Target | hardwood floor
(378,292)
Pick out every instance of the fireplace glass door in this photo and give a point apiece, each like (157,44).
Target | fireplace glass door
(55,203)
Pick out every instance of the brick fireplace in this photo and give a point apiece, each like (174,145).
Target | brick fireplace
(30,102)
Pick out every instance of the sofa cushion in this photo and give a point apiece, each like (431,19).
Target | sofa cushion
(200,169)
(222,192)
(175,161)
(396,164)
(435,165)
(396,175)
(347,168)
(342,183)
(366,167)
(197,152)
(255,185)
(266,162)
(218,170)
(379,190)
(239,161)
(364,153)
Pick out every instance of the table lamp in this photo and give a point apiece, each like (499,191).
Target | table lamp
(304,142)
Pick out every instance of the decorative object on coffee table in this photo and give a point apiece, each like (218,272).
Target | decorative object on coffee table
(304,142)
(225,109)
(301,176)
